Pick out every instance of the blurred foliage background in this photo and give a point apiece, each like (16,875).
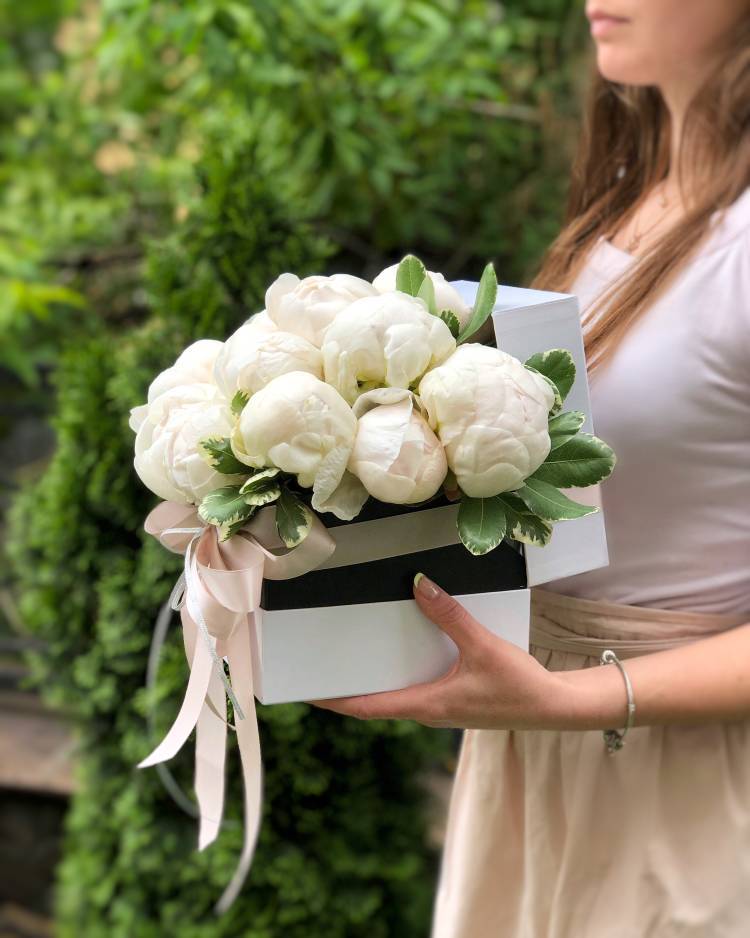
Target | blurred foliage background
(160,164)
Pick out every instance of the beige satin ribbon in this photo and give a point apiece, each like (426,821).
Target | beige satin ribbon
(217,595)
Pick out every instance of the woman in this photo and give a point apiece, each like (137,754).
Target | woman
(549,836)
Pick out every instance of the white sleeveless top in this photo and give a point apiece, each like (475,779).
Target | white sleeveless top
(674,404)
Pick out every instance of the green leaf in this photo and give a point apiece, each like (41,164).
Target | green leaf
(556,364)
(238,402)
(524,525)
(263,496)
(427,293)
(225,506)
(550,503)
(583,460)
(483,304)
(218,453)
(410,274)
(564,426)
(558,401)
(481,524)
(229,530)
(260,480)
(451,321)
(293,519)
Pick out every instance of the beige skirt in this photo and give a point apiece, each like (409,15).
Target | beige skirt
(549,836)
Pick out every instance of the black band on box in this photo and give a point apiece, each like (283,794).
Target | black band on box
(379,578)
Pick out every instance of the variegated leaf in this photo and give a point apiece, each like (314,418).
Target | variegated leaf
(260,480)
(564,426)
(524,525)
(262,496)
(550,503)
(483,304)
(238,402)
(556,365)
(451,321)
(218,453)
(293,519)
(224,506)
(410,274)
(481,524)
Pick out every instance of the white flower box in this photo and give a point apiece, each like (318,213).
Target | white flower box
(353,629)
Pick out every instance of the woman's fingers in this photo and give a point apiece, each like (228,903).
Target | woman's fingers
(431,701)
(422,702)
(454,619)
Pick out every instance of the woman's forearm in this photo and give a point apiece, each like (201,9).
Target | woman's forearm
(704,681)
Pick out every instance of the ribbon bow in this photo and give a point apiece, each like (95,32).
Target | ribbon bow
(218,596)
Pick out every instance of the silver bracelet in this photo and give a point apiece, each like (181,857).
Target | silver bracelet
(615,738)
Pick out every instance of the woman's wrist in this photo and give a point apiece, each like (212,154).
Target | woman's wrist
(592,698)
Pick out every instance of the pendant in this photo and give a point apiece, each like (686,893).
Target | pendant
(633,244)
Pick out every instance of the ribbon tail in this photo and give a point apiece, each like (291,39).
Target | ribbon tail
(248,739)
(210,758)
(192,704)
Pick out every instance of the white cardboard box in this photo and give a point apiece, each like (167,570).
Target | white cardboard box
(308,654)
(340,650)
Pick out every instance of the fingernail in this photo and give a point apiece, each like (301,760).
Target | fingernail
(425,586)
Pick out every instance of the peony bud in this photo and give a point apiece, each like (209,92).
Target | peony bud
(490,413)
(388,340)
(307,307)
(396,455)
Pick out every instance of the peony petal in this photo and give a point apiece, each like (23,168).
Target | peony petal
(282,285)
(152,465)
(137,416)
(347,499)
(329,474)
(370,399)
(381,433)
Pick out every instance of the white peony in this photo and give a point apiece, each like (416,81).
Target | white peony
(446,296)
(252,357)
(390,340)
(261,322)
(396,455)
(167,457)
(304,427)
(490,413)
(307,307)
(194,365)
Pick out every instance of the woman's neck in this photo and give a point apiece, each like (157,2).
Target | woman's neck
(678,93)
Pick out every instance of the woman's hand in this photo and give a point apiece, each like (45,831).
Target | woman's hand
(492,685)
(495,685)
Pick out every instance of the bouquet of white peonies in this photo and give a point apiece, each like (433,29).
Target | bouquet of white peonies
(342,390)
(339,393)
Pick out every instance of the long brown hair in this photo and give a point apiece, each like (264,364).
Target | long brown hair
(623,153)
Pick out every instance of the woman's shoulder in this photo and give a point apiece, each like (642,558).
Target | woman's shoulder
(724,253)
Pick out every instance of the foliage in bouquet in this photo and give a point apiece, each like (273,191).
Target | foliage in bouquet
(343,390)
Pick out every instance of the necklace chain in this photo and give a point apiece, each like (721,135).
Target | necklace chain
(637,236)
